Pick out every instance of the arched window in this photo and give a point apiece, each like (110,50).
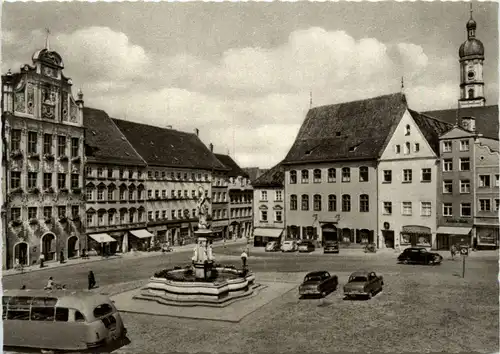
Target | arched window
(293,202)
(305,176)
(332,175)
(363,203)
(317,202)
(363,174)
(317,175)
(305,202)
(407,130)
(346,202)
(332,202)
(346,174)
(407,148)
(471,93)
(293,177)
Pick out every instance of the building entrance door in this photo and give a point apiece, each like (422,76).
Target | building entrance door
(388,238)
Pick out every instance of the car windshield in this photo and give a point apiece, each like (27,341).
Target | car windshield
(357,278)
(313,278)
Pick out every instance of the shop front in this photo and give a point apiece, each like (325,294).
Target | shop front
(452,235)
(140,240)
(103,244)
(416,236)
(487,236)
(263,235)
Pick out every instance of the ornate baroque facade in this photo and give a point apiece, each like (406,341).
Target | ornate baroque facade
(43,162)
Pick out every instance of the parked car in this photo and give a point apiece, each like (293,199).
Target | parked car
(331,247)
(289,246)
(318,283)
(363,283)
(419,255)
(306,246)
(272,246)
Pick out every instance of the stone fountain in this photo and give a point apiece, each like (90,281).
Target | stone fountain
(201,283)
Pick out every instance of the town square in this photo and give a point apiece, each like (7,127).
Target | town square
(250,177)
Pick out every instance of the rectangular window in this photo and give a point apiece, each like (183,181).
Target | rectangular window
(407,176)
(130,195)
(172,214)
(387,176)
(110,172)
(263,195)
(464,145)
(346,203)
(32,213)
(157,194)
(61,145)
(425,209)
(61,180)
(426,175)
(75,180)
(15,139)
(387,208)
(464,164)
(263,215)
(417,147)
(164,214)
(88,171)
(75,210)
(121,172)
(447,146)
(484,205)
(186,193)
(179,193)
(179,212)
(47,144)
(90,219)
(15,180)
(398,149)
(15,214)
(407,209)
(47,180)
(150,215)
(157,214)
(32,177)
(484,181)
(497,182)
(448,186)
(150,194)
(100,171)
(122,194)
(465,209)
(447,209)
(110,195)
(363,174)
(278,196)
(47,212)
(130,174)
(89,194)
(32,137)
(100,194)
(278,216)
(61,211)
(464,186)
(407,148)
(497,204)
(447,165)
(172,194)
(74,147)
(346,174)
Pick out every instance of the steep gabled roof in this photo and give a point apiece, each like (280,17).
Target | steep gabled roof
(351,130)
(255,172)
(168,147)
(104,142)
(486,118)
(234,169)
(274,177)
(431,128)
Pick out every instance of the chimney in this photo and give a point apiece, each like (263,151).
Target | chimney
(196,131)
(469,123)
(211,147)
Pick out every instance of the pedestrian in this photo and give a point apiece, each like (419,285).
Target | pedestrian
(453,251)
(23,287)
(244,257)
(91,280)
(61,256)
(224,242)
(50,284)
(474,244)
(42,259)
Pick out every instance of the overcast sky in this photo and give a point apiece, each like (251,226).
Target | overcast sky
(244,71)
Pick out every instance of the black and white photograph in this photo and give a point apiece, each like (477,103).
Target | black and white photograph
(250,177)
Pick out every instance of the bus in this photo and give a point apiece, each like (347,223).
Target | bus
(60,320)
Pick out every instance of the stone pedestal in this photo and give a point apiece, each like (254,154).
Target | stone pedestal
(203,262)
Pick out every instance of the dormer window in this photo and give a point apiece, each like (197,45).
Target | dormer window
(407,130)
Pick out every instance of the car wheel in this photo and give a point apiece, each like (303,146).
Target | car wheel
(369,296)
(323,294)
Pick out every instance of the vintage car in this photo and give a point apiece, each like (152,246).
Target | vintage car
(363,283)
(306,246)
(289,246)
(318,283)
(419,255)
(272,246)
(331,247)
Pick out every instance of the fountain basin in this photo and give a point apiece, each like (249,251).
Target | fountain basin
(180,287)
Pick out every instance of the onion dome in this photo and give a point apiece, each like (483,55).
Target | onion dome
(471,47)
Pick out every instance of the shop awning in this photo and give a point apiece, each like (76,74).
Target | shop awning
(263,232)
(102,238)
(449,230)
(141,233)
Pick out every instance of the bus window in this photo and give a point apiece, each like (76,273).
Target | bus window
(102,310)
(20,302)
(62,314)
(19,308)
(5,301)
(17,314)
(79,317)
(42,313)
(44,301)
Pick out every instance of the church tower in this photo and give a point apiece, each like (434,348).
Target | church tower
(471,55)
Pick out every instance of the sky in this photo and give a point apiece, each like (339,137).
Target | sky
(244,73)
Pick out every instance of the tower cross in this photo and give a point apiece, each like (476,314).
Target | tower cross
(47,42)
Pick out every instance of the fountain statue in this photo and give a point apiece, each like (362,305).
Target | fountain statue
(202,255)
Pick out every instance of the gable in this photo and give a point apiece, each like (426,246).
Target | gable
(456,133)
(410,139)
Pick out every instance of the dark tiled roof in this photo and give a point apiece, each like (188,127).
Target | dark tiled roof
(255,172)
(352,130)
(431,128)
(274,177)
(234,169)
(104,142)
(168,147)
(486,118)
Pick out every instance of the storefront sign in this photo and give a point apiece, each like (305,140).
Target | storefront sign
(457,221)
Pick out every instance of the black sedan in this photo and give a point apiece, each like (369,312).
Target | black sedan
(331,247)
(419,255)
(363,283)
(318,283)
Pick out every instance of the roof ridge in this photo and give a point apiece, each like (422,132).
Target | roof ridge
(430,117)
(153,126)
(361,100)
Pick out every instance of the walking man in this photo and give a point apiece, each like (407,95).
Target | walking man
(42,259)
(453,251)
(61,258)
(91,280)
(244,257)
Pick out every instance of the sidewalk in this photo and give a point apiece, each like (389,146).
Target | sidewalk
(92,259)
